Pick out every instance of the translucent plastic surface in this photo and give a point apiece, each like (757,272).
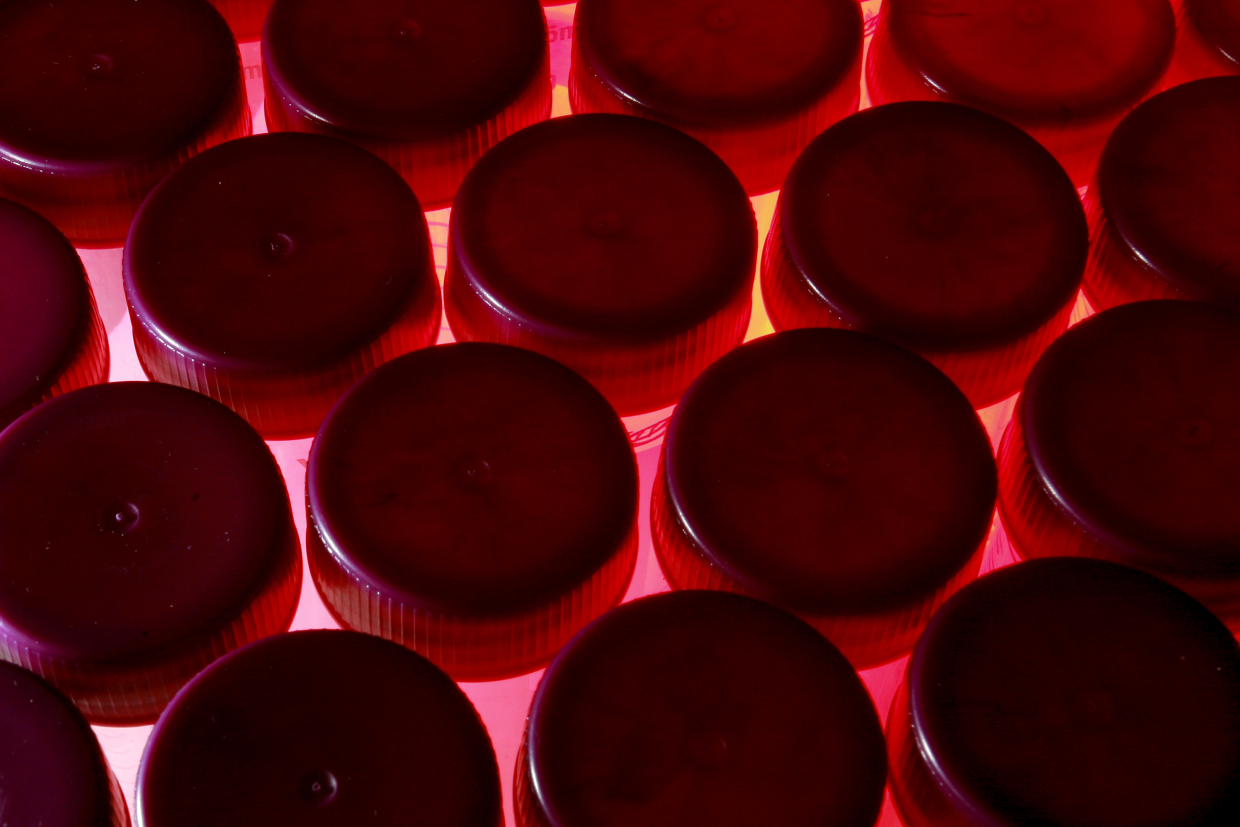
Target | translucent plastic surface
(146,531)
(1062,70)
(938,227)
(476,503)
(1208,41)
(245,17)
(753,81)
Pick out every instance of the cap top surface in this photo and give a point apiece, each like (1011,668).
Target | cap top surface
(704,708)
(402,69)
(1037,60)
(473,477)
(1218,21)
(42,306)
(1132,421)
(135,517)
(381,737)
(830,471)
(935,225)
(720,62)
(641,231)
(51,768)
(277,251)
(1075,692)
(1168,184)
(99,84)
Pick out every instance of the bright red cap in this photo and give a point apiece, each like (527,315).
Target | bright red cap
(100,99)
(755,81)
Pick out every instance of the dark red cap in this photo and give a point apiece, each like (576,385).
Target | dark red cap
(427,85)
(1218,22)
(831,473)
(100,99)
(1078,693)
(51,337)
(52,770)
(320,728)
(700,708)
(753,80)
(144,529)
(272,273)
(937,226)
(632,264)
(488,492)
(1166,186)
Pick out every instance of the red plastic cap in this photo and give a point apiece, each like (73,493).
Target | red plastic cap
(700,709)
(476,503)
(754,81)
(100,99)
(831,473)
(146,530)
(1070,692)
(245,17)
(320,728)
(937,226)
(52,767)
(1166,208)
(272,273)
(1218,22)
(51,337)
(427,85)
(633,264)
(1062,70)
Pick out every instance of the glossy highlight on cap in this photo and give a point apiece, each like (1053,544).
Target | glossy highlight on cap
(938,227)
(52,770)
(320,728)
(754,81)
(427,85)
(833,474)
(700,709)
(1070,692)
(144,531)
(1166,206)
(1062,70)
(100,99)
(633,265)
(474,502)
(51,337)
(273,272)
(1122,445)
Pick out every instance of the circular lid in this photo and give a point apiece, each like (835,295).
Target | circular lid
(1218,21)
(43,305)
(1035,60)
(402,70)
(720,62)
(52,771)
(320,728)
(704,708)
(473,477)
(134,517)
(1079,693)
(1132,422)
(94,85)
(935,225)
(829,471)
(277,251)
(642,231)
(1168,184)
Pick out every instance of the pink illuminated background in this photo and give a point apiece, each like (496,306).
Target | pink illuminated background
(502,704)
